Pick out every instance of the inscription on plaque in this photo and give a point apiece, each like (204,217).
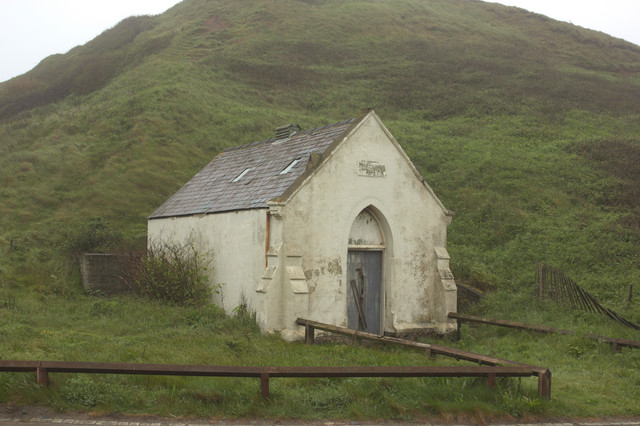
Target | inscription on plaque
(371,169)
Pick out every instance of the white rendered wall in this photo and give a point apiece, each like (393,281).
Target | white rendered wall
(234,241)
(318,218)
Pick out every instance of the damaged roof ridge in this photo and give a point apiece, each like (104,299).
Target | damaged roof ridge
(295,136)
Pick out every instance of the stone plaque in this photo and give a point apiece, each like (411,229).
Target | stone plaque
(371,169)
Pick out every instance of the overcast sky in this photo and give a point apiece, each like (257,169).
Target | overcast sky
(619,18)
(31,30)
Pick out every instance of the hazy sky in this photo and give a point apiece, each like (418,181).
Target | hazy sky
(619,18)
(31,30)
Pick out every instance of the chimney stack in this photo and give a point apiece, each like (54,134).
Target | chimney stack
(285,132)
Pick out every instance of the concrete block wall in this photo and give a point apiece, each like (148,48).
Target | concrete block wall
(106,273)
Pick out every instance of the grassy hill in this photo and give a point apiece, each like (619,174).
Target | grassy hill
(526,127)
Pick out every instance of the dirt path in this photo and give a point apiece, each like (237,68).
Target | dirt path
(28,416)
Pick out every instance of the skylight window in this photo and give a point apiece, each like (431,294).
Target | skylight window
(290,166)
(241,175)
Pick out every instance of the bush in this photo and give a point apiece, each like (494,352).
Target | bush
(175,273)
(95,236)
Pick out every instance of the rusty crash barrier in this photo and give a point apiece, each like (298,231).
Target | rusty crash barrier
(43,368)
(543,373)
(616,343)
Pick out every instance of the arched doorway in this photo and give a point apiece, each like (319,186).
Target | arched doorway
(365,294)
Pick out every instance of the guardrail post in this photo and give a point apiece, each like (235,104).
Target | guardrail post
(264,385)
(491,380)
(42,377)
(544,384)
(309,334)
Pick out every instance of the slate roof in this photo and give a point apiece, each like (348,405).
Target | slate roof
(213,190)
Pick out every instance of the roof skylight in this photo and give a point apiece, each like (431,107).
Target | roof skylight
(241,175)
(290,166)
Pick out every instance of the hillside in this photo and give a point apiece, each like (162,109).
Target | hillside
(526,127)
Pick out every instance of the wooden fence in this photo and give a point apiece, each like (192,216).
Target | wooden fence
(543,373)
(43,368)
(554,284)
(616,343)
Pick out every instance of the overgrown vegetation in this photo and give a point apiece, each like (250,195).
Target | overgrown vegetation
(173,272)
(96,236)
(526,127)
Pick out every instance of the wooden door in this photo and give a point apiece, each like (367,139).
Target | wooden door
(364,291)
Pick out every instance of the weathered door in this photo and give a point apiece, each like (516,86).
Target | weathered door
(364,291)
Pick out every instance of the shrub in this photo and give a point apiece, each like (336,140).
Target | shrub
(173,272)
(94,236)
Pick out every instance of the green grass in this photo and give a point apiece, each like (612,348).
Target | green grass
(127,329)
(132,330)
(526,127)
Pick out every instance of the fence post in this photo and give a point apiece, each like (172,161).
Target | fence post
(309,334)
(544,384)
(264,385)
(491,380)
(42,377)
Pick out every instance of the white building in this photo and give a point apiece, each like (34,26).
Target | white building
(333,224)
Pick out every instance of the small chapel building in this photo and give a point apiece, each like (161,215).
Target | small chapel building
(333,224)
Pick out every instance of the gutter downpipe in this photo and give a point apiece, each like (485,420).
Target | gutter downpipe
(266,239)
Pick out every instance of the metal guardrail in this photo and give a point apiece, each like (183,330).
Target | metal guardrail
(543,374)
(43,368)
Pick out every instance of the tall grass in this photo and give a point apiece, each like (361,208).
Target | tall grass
(127,329)
(526,127)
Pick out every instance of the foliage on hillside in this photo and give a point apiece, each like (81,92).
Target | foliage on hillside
(524,126)
(527,128)
(84,69)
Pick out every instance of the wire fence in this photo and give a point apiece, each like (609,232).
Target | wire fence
(555,285)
